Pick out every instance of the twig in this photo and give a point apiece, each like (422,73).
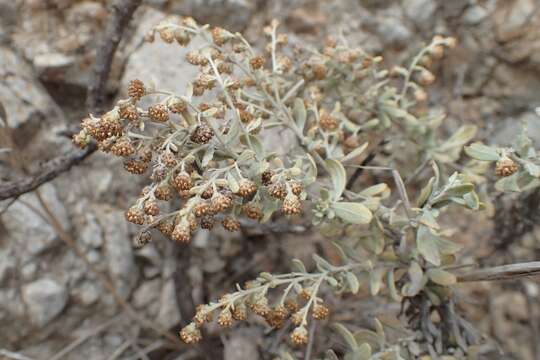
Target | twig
(121,13)
(12,355)
(62,353)
(504,272)
(309,349)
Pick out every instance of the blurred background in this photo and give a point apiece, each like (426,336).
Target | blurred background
(62,245)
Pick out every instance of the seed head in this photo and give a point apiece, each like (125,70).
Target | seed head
(291,205)
(278,190)
(163,192)
(239,312)
(260,306)
(320,312)
(151,207)
(299,336)
(200,209)
(220,203)
(230,224)
(327,121)
(220,36)
(256,62)
(135,215)
(142,238)
(129,113)
(165,227)
(252,211)
(123,147)
(266,177)
(202,315)
(291,305)
(196,58)
(426,77)
(225,318)
(319,71)
(296,187)
(247,188)
(136,167)
(177,106)
(506,167)
(207,222)
(207,193)
(191,334)
(182,181)
(202,134)
(158,113)
(136,89)
(182,232)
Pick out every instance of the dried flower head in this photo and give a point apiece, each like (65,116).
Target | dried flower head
(136,89)
(230,224)
(506,167)
(135,215)
(191,334)
(291,205)
(299,336)
(202,134)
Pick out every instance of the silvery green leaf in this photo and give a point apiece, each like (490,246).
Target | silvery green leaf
(247,155)
(427,245)
(346,335)
(464,134)
(417,282)
(375,190)
(352,281)
(299,266)
(425,193)
(508,184)
(482,152)
(256,146)
(459,190)
(330,355)
(285,355)
(523,145)
(363,352)
(233,184)
(353,213)
(254,125)
(472,200)
(532,169)
(338,176)
(322,263)
(331,281)
(370,124)
(233,132)
(311,171)
(208,155)
(209,113)
(391,283)
(356,152)
(441,277)
(299,114)
(375,280)
(447,247)
(375,242)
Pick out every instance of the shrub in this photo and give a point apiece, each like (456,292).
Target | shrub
(206,152)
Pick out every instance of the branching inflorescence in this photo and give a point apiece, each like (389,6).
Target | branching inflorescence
(207,150)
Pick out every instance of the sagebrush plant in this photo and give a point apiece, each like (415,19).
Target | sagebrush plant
(206,147)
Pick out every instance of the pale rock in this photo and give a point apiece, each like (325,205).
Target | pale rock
(27,228)
(147,293)
(25,100)
(241,345)
(87,293)
(393,32)
(91,233)
(45,299)
(7,264)
(474,15)
(234,15)
(158,63)
(512,18)
(118,250)
(420,11)
(169,313)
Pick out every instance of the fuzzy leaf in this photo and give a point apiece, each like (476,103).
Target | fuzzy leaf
(353,213)
(375,280)
(338,176)
(355,152)
(425,193)
(441,277)
(299,266)
(352,281)
(233,184)
(482,152)
(299,114)
(426,243)
(508,184)
(346,335)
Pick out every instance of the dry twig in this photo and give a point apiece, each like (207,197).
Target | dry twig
(121,13)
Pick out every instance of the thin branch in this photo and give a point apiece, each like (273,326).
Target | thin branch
(121,13)
(504,272)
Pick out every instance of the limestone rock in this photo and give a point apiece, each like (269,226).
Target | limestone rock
(45,299)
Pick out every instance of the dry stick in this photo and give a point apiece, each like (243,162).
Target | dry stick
(13,355)
(60,355)
(121,13)
(504,272)
(68,239)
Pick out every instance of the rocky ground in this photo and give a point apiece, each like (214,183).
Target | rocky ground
(53,301)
